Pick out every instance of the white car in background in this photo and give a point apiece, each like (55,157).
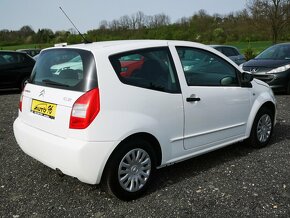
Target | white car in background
(102,127)
(74,63)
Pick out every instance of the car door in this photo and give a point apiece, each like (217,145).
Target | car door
(12,67)
(216,107)
(5,69)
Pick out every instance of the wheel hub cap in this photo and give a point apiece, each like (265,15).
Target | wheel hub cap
(134,170)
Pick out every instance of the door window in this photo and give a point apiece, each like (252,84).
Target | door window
(230,51)
(202,68)
(147,68)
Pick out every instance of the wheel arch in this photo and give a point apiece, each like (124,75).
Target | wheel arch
(141,135)
(255,110)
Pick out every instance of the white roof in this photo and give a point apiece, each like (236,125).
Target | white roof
(114,47)
(129,44)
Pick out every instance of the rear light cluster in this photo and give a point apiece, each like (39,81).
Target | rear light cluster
(85,109)
(21,98)
(20,102)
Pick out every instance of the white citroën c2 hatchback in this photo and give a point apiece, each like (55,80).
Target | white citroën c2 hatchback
(113,112)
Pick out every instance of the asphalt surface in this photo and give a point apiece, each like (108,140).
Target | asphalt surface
(236,181)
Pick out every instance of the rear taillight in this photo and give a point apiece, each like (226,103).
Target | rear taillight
(85,109)
(21,97)
(20,102)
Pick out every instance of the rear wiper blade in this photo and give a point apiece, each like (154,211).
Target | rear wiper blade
(50,82)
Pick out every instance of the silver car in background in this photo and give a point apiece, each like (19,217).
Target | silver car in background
(231,52)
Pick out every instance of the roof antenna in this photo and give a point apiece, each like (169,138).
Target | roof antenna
(86,41)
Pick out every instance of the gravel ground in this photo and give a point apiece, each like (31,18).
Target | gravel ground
(232,182)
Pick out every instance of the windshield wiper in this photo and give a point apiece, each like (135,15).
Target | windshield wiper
(50,82)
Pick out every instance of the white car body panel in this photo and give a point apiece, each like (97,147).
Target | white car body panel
(77,158)
(125,110)
(64,100)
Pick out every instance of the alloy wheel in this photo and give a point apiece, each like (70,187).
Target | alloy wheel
(264,128)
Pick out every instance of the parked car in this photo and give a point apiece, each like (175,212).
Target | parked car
(273,67)
(131,64)
(74,64)
(232,52)
(114,129)
(15,69)
(30,51)
(35,57)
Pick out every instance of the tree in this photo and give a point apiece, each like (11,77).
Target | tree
(103,25)
(26,31)
(219,35)
(44,36)
(158,20)
(125,22)
(275,12)
(138,20)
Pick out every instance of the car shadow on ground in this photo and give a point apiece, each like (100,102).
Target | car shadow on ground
(9,91)
(281,131)
(193,167)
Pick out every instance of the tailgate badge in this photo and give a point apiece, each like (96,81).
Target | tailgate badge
(67,99)
(42,93)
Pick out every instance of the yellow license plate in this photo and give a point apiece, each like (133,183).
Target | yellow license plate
(43,108)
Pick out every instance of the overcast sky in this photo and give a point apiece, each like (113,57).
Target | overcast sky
(87,14)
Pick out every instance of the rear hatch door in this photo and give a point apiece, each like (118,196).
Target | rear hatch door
(59,78)
(48,109)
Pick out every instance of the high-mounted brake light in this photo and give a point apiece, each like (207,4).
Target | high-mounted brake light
(85,110)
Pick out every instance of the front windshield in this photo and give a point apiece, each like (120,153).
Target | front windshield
(278,52)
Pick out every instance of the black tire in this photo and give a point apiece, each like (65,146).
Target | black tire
(136,170)
(262,129)
(288,88)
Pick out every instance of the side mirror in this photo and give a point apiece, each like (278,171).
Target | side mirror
(246,78)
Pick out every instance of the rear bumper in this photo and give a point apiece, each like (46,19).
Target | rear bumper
(80,159)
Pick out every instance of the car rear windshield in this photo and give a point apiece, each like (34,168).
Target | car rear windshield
(65,68)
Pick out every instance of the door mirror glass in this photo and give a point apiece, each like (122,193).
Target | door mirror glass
(227,81)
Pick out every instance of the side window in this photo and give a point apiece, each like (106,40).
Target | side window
(10,58)
(202,68)
(22,58)
(2,59)
(220,49)
(230,51)
(147,68)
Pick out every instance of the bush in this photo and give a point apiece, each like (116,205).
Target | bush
(249,54)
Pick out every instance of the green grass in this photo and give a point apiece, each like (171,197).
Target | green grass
(257,47)
(25,46)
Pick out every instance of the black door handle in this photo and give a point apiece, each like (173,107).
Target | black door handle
(191,99)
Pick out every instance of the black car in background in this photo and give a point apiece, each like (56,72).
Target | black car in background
(15,69)
(231,52)
(273,67)
(30,51)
